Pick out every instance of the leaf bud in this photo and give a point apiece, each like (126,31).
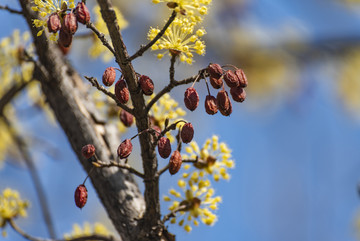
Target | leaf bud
(81,196)
(82,13)
(146,85)
(211,105)
(231,79)
(224,103)
(54,23)
(187,132)
(175,162)
(191,98)
(164,147)
(215,70)
(88,151)
(121,91)
(109,76)
(125,148)
(241,77)
(238,93)
(126,118)
(70,24)
(65,38)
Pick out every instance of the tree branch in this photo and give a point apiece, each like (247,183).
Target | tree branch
(123,166)
(101,36)
(10,10)
(10,94)
(173,213)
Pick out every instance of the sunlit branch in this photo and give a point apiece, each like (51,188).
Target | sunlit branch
(173,213)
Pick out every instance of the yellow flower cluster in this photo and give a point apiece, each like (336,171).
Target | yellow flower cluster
(166,108)
(213,159)
(180,40)
(198,203)
(98,49)
(87,230)
(45,9)
(11,206)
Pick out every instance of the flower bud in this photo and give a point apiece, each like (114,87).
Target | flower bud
(238,93)
(175,162)
(88,151)
(187,132)
(211,105)
(126,118)
(231,79)
(164,147)
(54,23)
(109,76)
(121,91)
(146,85)
(65,38)
(224,103)
(125,148)
(216,83)
(70,24)
(191,98)
(80,196)
(241,77)
(82,13)
(215,70)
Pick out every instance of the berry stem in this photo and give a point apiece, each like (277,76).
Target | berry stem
(88,175)
(229,66)
(207,86)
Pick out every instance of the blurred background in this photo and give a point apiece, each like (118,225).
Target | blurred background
(295,139)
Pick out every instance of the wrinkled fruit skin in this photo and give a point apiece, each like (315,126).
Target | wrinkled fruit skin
(65,39)
(70,24)
(82,13)
(164,147)
(146,84)
(211,105)
(88,151)
(241,77)
(175,162)
(191,98)
(187,133)
(224,103)
(216,83)
(215,70)
(80,196)
(121,91)
(54,23)
(126,118)
(231,79)
(238,94)
(125,148)
(109,76)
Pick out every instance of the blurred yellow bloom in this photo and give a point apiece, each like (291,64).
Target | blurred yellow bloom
(11,206)
(87,230)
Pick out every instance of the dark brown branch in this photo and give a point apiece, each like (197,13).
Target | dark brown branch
(123,166)
(96,84)
(101,37)
(11,10)
(142,50)
(172,68)
(162,170)
(173,213)
(10,94)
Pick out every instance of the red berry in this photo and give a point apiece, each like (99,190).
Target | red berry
(216,83)
(125,148)
(81,196)
(175,162)
(238,93)
(109,76)
(215,70)
(231,79)
(146,84)
(224,103)
(70,24)
(211,105)
(164,147)
(241,77)
(54,23)
(65,38)
(82,13)
(126,118)
(187,132)
(191,98)
(88,151)
(121,91)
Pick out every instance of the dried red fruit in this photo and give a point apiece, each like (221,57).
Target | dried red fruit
(146,85)
(157,130)
(191,98)
(125,148)
(54,23)
(65,39)
(215,70)
(238,93)
(70,24)
(109,76)
(88,151)
(216,83)
(211,105)
(241,77)
(121,91)
(64,50)
(126,118)
(175,162)
(80,196)
(164,147)
(187,132)
(224,103)
(231,79)
(82,13)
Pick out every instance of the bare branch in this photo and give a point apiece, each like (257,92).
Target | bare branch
(157,37)
(101,37)
(162,170)
(11,10)
(10,94)
(123,166)
(173,213)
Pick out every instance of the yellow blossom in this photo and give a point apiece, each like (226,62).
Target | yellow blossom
(11,206)
(87,230)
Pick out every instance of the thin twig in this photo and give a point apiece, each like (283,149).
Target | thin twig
(173,213)
(157,37)
(126,166)
(11,10)
(162,170)
(172,68)
(11,93)
(96,84)
(101,37)
(84,238)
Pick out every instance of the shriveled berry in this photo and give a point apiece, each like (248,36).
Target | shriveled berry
(82,13)
(211,105)
(70,24)
(191,98)
(215,70)
(80,196)
(187,132)
(121,91)
(241,77)
(88,151)
(231,79)
(65,38)
(109,76)
(126,118)
(64,50)
(164,147)
(175,162)
(216,83)
(146,84)
(238,93)
(224,103)
(125,148)
(54,23)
